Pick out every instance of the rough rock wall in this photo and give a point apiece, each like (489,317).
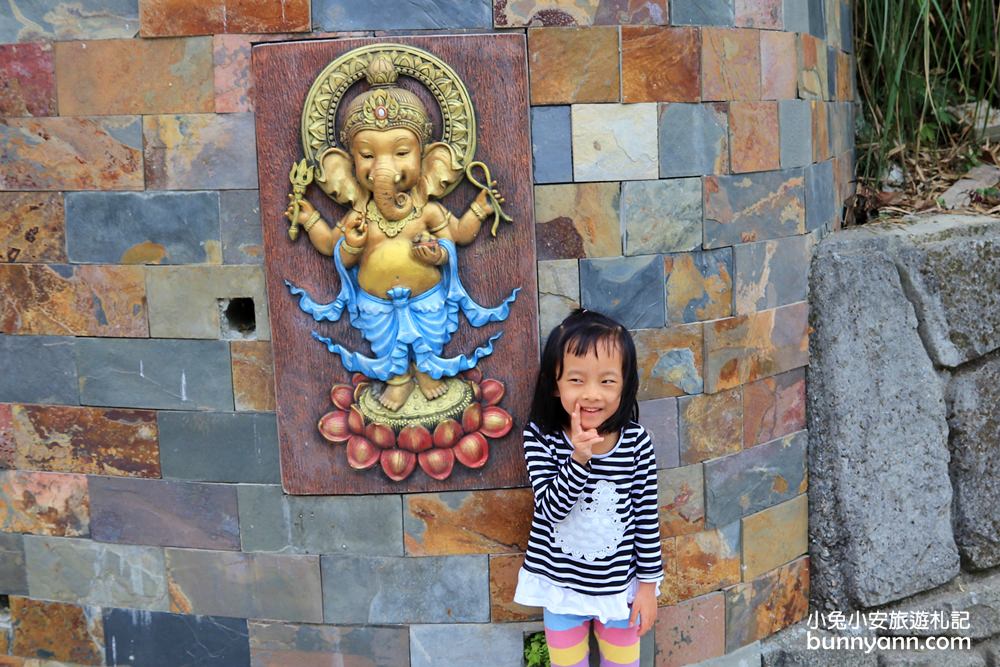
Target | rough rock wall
(904,460)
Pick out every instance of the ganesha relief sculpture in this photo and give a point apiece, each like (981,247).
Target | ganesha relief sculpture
(395,252)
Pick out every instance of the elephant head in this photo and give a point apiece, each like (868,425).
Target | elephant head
(389,167)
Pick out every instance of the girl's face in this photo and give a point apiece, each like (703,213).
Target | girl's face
(593,381)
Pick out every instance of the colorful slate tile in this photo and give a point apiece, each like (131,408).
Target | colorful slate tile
(574,65)
(660,64)
(32,227)
(27,80)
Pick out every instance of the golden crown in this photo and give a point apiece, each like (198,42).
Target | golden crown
(386,106)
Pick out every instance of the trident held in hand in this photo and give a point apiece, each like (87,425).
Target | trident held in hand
(301,176)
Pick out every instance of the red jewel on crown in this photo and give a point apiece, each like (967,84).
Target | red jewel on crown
(381,112)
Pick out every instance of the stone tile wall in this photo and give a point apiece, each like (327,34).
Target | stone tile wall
(687,157)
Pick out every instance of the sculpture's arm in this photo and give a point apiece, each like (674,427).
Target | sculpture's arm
(463,230)
(321,235)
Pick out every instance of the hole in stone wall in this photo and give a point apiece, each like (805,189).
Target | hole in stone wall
(237,318)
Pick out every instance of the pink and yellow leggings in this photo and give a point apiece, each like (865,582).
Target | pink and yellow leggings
(568,637)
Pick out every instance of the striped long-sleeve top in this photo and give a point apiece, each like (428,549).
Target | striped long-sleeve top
(572,540)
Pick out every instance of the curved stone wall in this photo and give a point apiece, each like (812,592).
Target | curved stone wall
(686,159)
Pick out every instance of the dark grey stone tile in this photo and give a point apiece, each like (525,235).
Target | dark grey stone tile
(693,139)
(754,479)
(463,644)
(552,144)
(106,575)
(628,289)
(659,416)
(219,446)
(772,273)
(402,15)
(821,196)
(795,123)
(701,12)
(817,18)
(242,237)
(155,373)
(436,589)
(159,639)
(163,513)
(753,207)
(273,521)
(796,15)
(38,369)
(13,573)
(288,644)
(277,587)
(143,227)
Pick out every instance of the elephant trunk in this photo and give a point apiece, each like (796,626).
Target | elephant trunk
(391,204)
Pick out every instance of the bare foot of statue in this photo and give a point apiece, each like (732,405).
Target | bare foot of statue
(430,387)
(394,395)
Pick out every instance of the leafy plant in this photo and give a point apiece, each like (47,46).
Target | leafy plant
(536,651)
(917,61)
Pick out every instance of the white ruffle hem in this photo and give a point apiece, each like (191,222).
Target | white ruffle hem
(534,590)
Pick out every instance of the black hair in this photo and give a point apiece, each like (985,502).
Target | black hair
(580,334)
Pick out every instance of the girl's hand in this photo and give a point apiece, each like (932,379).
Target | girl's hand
(583,441)
(644,608)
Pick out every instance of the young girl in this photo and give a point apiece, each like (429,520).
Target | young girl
(594,549)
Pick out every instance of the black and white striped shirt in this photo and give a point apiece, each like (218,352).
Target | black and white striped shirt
(559,482)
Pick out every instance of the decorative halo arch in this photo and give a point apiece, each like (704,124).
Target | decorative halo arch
(458,118)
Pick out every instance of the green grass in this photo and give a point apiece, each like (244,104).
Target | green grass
(915,60)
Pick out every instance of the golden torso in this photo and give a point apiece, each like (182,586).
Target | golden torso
(389,262)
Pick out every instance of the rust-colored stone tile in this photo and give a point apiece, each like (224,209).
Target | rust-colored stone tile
(503,581)
(812,67)
(163,18)
(774,407)
(32,227)
(699,285)
(5,648)
(749,347)
(57,631)
(670,586)
(759,608)
(253,375)
(467,522)
(572,65)
(670,361)
(753,136)
(44,503)
(660,64)
(681,493)
(8,443)
(708,560)
(507,14)
(778,65)
(821,131)
(91,300)
(691,631)
(134,76)
(96,441)
(775,536)
(578,220)
(711,425)
(730,64)
(71,153)
(845,77)
(27,80)
(758,14)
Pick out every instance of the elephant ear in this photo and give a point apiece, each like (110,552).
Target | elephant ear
(335,177)
(440,170)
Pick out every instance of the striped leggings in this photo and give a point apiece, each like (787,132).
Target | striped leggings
(568,637)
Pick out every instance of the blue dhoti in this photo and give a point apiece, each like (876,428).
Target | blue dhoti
(402,329)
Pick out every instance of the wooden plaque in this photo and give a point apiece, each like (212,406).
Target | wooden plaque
(494,70)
